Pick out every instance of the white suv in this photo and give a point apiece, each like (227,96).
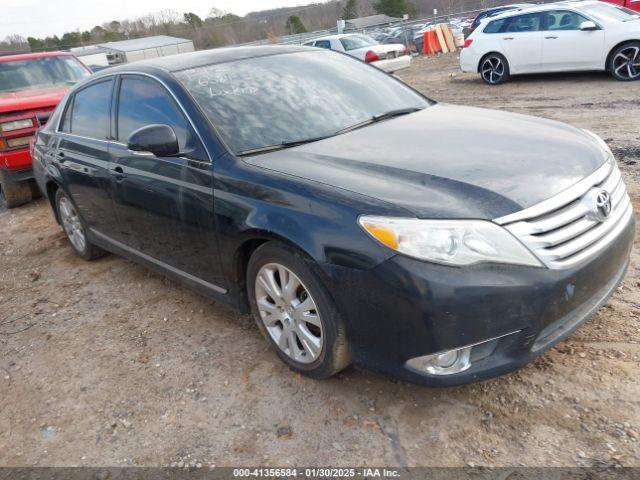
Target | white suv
(556,37)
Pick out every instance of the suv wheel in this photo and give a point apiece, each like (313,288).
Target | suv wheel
(74,228)
(494,69)
(13,194)
(295,312)
(624,63)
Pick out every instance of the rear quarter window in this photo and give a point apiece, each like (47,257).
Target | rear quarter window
(495,26)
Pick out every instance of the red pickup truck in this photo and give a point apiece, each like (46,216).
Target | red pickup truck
(632,4)
(31,85)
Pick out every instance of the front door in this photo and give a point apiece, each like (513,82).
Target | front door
(521,40)
(82,155)
(164,204)
(566,47)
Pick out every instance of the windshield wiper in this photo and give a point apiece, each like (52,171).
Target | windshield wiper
(279,146)
(377,118)
(297,143)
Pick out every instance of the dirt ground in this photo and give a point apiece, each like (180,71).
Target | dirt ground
(107,363)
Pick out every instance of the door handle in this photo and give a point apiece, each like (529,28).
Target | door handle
(60,157)
(508,38)
(118,172)
(551,37)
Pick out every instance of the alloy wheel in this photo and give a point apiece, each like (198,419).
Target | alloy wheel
(493,70)
(289,313)
(626,63)
(72,225)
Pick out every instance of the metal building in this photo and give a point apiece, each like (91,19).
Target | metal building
(127,51)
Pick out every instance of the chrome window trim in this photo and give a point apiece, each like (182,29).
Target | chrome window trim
(115,78)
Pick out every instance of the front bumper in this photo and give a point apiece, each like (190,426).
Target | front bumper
(16,176)
(405,308)
(18,159)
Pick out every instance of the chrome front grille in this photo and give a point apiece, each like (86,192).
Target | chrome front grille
(565,229)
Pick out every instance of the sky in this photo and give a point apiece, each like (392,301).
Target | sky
(40,18)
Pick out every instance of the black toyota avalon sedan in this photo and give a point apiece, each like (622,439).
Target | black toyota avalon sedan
(358,221)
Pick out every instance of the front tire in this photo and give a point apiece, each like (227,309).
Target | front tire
(294,311)
(494,69)
(624,63)
(75,229)
(13,194)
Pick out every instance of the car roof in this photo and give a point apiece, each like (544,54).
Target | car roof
(575,4)
(201,58)
(336,37)
(28,56)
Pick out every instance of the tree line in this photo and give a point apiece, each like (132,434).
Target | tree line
(220,28)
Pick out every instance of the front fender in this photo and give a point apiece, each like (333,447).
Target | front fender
(322,221)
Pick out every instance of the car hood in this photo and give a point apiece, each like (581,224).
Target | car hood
(449,161)
(31,99)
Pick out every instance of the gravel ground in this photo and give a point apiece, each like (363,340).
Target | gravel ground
(107,363)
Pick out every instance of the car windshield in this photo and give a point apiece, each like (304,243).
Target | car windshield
(354,42)
(296,97)
(603,11)
(18,75)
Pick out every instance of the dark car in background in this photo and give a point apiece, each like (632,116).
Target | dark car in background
(359,221)
(492,12)
(31,85)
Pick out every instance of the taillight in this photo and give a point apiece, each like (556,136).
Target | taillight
(371,56)
(405,51)
(468,42)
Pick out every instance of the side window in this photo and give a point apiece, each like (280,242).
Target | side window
(524,23)
(323,44)
(143,102)
(496,26)
(65,124)
(91,111)
(564,20)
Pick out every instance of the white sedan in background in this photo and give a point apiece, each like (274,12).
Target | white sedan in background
(556,37)
(390,58)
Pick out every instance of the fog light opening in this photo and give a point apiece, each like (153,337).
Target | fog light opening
(443,363)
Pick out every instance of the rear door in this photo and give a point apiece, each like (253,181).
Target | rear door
(82,154)
(164,204)
(521,40)
(566,47)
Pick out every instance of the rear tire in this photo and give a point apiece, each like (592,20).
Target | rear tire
(75,229)
(494,69)
(624,62)
(13,194)
(295,312)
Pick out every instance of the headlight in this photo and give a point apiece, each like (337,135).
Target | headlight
(16,125)
(605,148)
(451,242)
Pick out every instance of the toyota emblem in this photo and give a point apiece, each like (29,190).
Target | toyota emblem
(602,205)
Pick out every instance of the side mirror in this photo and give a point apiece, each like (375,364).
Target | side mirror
(160,140)
(588,25)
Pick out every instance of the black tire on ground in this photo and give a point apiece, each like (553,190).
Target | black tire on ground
(494,69)
(335,354)
(35,190)
(624,62)
(86,250)
(13,194)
